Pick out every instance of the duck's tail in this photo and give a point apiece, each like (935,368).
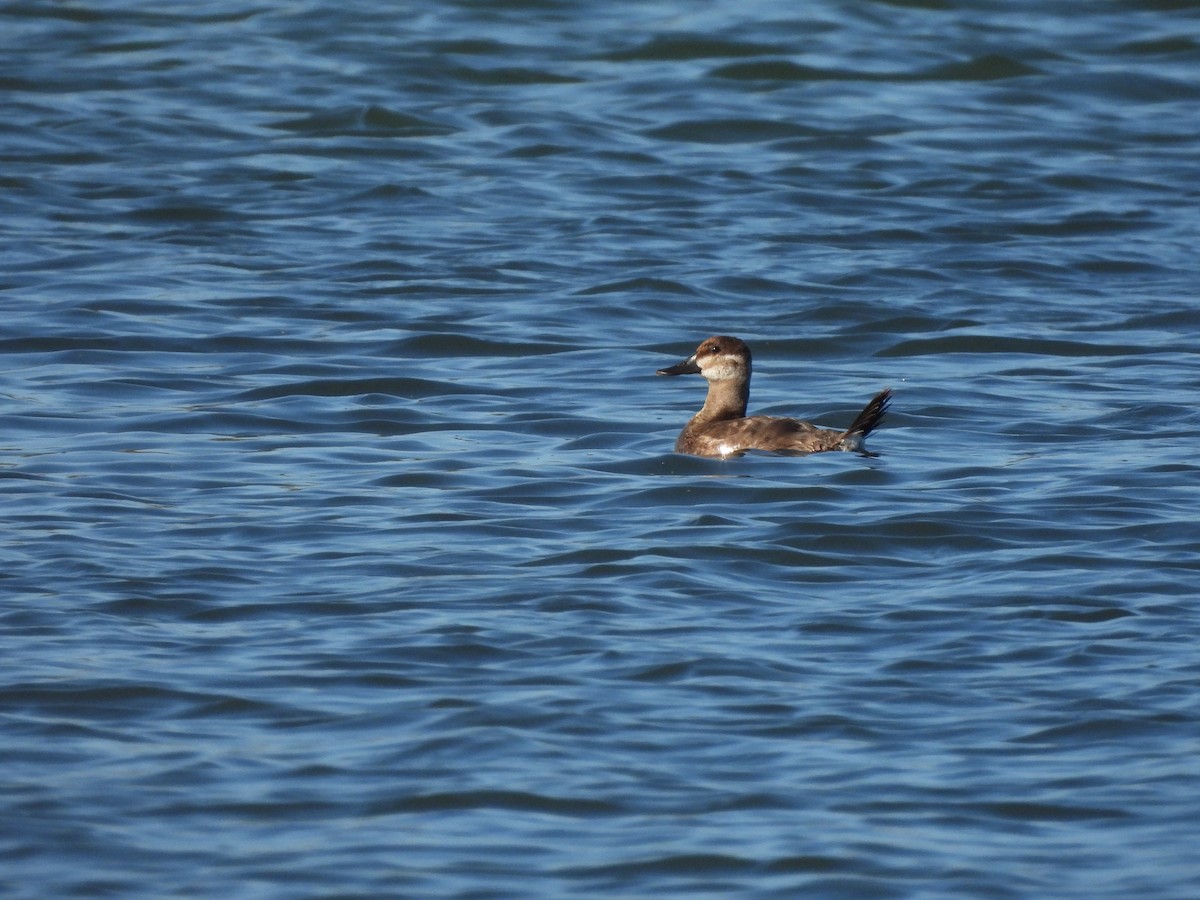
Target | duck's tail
(868,420)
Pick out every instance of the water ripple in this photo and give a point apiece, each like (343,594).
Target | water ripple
(343,521)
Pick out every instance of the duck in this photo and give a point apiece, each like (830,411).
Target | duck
(722,428)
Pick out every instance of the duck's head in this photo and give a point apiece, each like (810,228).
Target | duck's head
(719,358)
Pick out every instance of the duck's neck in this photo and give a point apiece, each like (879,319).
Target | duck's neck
(726,399)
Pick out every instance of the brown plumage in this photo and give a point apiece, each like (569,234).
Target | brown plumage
(722,427)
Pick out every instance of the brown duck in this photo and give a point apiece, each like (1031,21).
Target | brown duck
(722,427)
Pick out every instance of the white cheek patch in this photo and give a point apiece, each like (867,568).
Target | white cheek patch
(723,367)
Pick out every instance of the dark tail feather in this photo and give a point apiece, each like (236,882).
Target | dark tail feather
(868,420)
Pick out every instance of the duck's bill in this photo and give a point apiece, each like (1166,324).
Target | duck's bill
(687,367)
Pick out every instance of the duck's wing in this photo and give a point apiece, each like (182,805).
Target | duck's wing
(774,434)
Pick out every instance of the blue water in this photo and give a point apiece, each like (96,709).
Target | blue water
(344,550)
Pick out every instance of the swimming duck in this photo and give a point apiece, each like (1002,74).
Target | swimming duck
(722,427)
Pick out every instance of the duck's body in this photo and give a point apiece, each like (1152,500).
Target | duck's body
(722,427)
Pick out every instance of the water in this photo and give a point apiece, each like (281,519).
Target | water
(345,553)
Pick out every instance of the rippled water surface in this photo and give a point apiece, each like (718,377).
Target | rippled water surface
(345,553)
